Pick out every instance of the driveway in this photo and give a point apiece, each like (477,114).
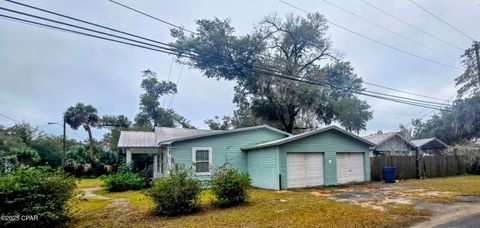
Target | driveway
(447,209)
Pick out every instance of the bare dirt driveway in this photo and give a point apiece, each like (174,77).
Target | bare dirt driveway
(436,207)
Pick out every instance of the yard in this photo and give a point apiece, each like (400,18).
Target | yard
(305,207)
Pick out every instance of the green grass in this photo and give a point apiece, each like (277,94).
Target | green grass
(135,198)
(264,208)
(82,206)
(89,183)
(460,185)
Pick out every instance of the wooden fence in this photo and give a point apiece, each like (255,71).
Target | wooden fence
(430,166)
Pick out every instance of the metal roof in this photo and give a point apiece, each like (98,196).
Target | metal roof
(304,135)
(166,135)
(207,133)
(379,139)
(423,142)
(137,139)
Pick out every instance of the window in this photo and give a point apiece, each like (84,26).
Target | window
(202,159)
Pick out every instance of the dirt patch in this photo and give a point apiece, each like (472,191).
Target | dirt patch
(381,196)
(114,202)
(88,193)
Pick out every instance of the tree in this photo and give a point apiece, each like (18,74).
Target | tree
(151,113)
(469,81)
(86,116)
(225,123)
(110,122)
(405,132)
(16,146)
(300,48)
(458,123)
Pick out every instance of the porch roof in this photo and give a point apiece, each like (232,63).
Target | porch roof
(141,139)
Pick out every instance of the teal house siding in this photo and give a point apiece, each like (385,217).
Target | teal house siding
(329,143)
(263,167)
(225,148)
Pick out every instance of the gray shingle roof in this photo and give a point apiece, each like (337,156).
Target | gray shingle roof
(136,139)
(303,135)
(378,138)
(423,142)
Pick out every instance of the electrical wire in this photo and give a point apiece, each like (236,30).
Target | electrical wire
(387,29)
(440,19)
(412,26)
(366,93)
(374,40)
(192,32)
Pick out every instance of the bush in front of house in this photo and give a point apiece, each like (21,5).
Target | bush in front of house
(229,186)
(124,180)
(176,193)
(35,197)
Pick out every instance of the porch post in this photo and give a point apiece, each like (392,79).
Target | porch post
(128,158)
(155,165)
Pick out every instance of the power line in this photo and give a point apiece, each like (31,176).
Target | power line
(405,92)
(169,73)
(10,118)
(275,74)
(150,16)
(409,101)
(387,29)
(411,25)
(190,31)
(374,40)
(178,79)
(394,113)
(440,19)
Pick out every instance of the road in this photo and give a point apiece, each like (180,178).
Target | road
(464,222)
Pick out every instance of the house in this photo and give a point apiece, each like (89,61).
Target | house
(392,144)
(273,158)
(430,146)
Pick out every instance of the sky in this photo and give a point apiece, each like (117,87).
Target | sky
(44,71)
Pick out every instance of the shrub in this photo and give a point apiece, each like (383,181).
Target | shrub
(229,186)
(40,193)
(124,180)
(176,193)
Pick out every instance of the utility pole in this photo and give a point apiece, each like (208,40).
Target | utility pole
(64,143)
(476,47)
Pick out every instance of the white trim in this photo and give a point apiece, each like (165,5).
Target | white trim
(128,157)
(194,149)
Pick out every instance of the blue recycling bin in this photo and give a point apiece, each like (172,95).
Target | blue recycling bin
(389,174)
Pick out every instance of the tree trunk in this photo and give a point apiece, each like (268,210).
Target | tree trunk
(90,140)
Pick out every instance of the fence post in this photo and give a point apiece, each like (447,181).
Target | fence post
(417,164)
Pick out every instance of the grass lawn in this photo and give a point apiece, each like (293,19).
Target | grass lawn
(89,183)
(265,208)
(459,185)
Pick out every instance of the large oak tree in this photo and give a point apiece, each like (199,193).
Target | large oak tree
(294,46)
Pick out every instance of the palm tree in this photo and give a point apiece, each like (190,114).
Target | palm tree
(83,115)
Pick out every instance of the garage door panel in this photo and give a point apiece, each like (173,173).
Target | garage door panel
(350,167)
(304,169)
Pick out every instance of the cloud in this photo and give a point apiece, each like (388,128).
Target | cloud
(42,72)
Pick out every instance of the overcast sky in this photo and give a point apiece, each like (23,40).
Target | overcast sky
(42,72)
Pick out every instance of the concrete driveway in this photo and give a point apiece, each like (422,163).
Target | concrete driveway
(447,209)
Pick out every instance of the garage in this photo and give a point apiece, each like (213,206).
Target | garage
(304,169)
(323,157)
(350,167)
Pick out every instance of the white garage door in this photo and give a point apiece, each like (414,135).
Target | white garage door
(350,167)
(304,169)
